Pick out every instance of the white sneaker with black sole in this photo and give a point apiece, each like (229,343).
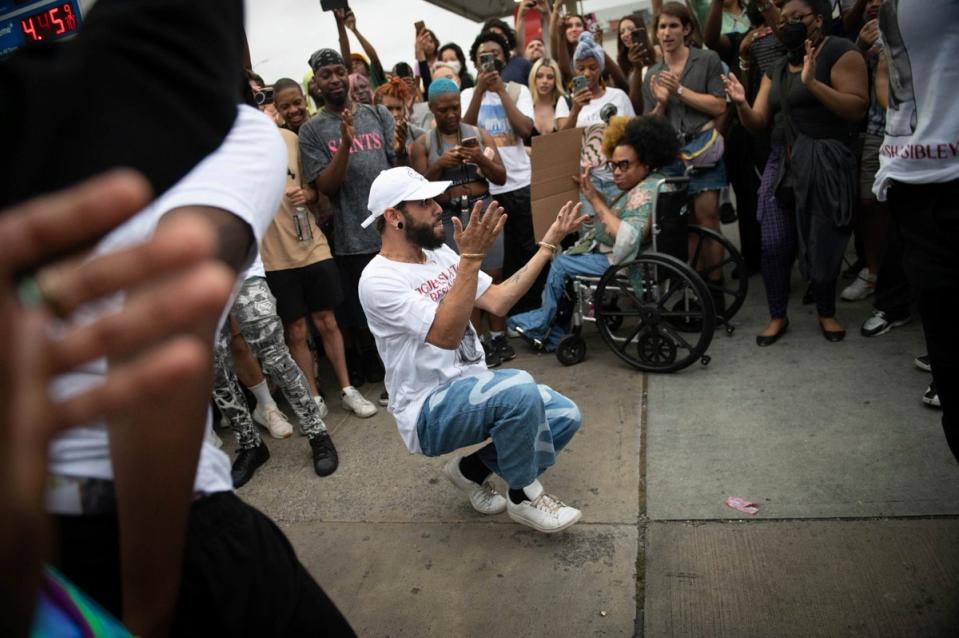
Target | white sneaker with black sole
(880,323)
(273,420)
(483,496)
(542,512)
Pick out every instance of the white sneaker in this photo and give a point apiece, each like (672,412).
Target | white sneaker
(542,512)
(273,420)
(321,404)
(357,403)
(861,287)
(484,498)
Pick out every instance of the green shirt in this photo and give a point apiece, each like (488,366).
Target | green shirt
(635,210)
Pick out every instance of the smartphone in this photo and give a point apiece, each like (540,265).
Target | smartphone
(264,96)
(639,36)
(470,142)
(419,25)
(487,62)
(579,83)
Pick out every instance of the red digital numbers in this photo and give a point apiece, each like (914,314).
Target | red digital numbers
(28,30)
(51,23)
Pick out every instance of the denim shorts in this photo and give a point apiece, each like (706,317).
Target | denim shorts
(708,179)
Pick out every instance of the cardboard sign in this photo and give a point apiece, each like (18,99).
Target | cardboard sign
(555,161)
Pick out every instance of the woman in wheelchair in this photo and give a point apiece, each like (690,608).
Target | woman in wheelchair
(638,148)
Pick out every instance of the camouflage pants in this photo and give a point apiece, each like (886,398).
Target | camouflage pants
(255,312)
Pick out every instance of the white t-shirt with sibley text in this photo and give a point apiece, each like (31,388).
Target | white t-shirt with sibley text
(921,43)
(400,301)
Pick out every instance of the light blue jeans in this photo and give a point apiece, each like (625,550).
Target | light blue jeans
(536,324)
(529,423)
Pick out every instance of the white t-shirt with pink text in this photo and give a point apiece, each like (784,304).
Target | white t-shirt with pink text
(400,302)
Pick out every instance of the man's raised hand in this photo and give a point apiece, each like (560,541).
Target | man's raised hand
(481,231)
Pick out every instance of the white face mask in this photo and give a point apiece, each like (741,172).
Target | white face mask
(455,65)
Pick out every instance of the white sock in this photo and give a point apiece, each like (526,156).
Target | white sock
(262,393)
(493,334)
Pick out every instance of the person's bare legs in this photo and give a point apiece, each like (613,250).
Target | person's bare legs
(245,365)
(332,338)
(706,214)
(300,351)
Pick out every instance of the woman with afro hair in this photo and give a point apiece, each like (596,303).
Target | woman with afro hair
(638,149)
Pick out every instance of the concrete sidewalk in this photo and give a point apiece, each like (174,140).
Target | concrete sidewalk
(856,535)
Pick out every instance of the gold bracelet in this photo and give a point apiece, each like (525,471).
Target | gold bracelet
(546,244)
(472,255)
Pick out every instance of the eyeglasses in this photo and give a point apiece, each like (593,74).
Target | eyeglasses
(794,19)
(622,165)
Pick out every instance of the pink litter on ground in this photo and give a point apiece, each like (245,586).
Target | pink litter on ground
(742,505)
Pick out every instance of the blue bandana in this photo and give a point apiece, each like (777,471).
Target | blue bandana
(587,47)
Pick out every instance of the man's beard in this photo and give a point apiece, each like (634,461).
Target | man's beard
(422,235)
(336,99)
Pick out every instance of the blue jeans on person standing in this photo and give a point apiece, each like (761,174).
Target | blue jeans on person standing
(529,423)
(536,324)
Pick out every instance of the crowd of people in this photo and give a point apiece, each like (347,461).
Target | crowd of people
(377,227)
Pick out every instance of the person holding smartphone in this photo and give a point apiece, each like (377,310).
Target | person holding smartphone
(590,93)
(505,110)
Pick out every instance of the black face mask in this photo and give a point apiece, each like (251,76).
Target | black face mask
(793,36)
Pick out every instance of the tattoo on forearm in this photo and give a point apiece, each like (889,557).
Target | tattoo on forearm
(517,275)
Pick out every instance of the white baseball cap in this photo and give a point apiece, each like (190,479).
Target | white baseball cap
(400,184)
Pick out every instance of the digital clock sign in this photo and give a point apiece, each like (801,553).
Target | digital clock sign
(26,21)
(49,24)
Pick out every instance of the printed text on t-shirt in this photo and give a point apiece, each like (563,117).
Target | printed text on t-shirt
(921,151)
(362,142)
(437,288)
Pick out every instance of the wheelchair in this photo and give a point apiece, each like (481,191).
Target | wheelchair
(658,312)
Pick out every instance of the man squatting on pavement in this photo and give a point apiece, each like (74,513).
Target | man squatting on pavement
(418,295)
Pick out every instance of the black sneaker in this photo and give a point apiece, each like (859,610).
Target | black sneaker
(727,213)
(325,459)
(384,398)
(246,463)
(501,347)
(922,362)
(881,322)
(492,357)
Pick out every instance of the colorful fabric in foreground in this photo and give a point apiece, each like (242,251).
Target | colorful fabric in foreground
(63,611)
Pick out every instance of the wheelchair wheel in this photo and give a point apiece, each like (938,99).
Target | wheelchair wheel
(728,294)
(655,293)
(571,349)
